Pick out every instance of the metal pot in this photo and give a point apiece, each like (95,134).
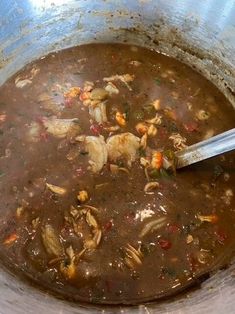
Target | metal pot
(200,33)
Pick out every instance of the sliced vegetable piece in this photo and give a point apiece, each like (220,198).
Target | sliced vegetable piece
(208,218)
(51,241)
(133,257)
(202,115)
(116,169)
(150,186)
(153,226)
(56,189)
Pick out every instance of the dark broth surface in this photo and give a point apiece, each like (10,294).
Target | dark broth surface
(89,208)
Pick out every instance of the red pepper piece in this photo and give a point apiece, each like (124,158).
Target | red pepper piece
(108,225)
(191,126)
(164,244)
(221,236)
(173,228)
(96,129)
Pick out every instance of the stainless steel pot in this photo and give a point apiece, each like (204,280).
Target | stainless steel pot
(200,33)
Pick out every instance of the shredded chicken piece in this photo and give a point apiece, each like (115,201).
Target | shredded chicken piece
(123,145)
(112,128)
(21,82)
(98,112)
(144,162)
(156,104)
(111,88)
(143,141)
(48,102)
(227,196)
(88,86)
(156,120)
(152,130)
(125,78)
(136,63)
(61,127)
(143,214)
(33,132)
(97,151)
(178,141)
(144,128)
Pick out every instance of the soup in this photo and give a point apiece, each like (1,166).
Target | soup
(92,208)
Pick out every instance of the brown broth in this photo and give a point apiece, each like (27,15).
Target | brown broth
(58,246)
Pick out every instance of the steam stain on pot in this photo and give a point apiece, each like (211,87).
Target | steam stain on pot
(92,207)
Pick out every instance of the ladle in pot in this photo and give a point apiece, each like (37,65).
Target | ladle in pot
(214,146)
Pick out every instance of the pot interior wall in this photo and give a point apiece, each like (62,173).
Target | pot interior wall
(202,34)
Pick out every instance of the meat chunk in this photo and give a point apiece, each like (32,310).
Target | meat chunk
(61,128)
(124,146)
(97,151)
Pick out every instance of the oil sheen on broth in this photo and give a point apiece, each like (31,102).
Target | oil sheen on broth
(91,206)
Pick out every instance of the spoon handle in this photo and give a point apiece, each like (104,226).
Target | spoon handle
(214,146)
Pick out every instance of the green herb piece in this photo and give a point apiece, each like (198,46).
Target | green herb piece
(157,81)
(169,154)
(83,153)
(164,173)
(217,172)
(2,174)
(149,109)
(147,248)
(120,163)
(126,109)
(172,128)
(142,152)
(138,115)
(155,174)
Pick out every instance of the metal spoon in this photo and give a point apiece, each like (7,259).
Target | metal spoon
(214,146)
